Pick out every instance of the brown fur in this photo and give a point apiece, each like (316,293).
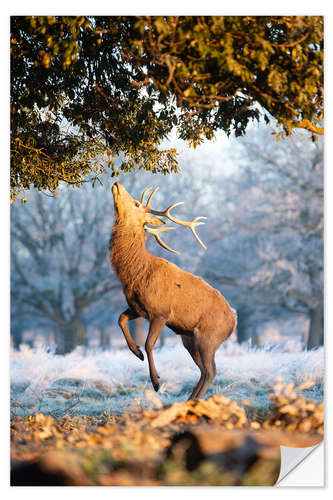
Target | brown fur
(166,295)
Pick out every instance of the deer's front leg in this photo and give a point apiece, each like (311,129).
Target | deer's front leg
(122,322)
(155,328)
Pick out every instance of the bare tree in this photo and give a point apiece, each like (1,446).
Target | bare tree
(271,234)
(59,259)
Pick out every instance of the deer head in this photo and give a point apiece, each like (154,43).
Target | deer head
(137,215)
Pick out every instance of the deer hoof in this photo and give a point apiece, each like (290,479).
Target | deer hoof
(139,353)
(156,386)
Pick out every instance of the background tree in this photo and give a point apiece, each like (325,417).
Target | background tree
(272,229)
(60,266)
(290,209)
(83,87)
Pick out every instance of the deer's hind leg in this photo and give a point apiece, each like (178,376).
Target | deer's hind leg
(207,346)
(192,348)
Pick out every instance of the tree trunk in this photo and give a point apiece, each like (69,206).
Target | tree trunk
(137,329)
(316,329)
(70,336)
(162,339)
(104,341)
(16,337)
(243,332)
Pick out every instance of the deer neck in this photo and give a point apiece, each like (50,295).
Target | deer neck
(129,256)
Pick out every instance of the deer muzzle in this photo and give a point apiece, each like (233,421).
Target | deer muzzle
(115,188)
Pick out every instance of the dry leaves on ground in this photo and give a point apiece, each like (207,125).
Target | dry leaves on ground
(135,448)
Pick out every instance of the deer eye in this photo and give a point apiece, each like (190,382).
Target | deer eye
(137,204)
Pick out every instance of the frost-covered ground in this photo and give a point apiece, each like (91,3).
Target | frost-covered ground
(95,381)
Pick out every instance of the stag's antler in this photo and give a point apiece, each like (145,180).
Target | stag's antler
(166,213)
(191,224)
(155,232)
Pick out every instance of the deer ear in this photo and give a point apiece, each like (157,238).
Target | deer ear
(153,221)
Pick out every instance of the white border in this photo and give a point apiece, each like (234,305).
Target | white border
(127,7)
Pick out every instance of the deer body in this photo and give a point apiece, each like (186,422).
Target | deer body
(164,294)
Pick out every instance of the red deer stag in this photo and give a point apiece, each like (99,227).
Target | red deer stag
(163,293)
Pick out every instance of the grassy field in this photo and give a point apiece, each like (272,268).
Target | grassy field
(115,381)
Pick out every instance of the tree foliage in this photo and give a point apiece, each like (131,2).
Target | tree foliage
(85,89)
